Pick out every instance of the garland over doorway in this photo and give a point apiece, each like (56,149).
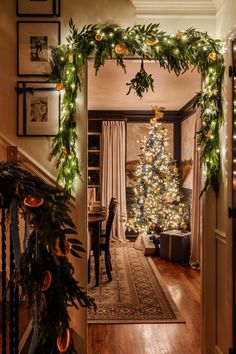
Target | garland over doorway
(178,53)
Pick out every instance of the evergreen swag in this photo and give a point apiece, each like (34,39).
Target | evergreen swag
(46,247)
(178,53)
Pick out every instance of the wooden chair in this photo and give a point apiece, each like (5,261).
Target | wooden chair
(112,201)
(105,240)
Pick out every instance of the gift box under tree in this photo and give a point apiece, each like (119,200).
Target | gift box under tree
(175,246)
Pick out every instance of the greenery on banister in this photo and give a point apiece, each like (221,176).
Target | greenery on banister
(183,51)
(44,271)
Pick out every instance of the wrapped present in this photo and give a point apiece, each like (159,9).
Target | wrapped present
(150,246)
(175,246)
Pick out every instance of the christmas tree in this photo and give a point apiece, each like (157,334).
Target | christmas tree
(157,200)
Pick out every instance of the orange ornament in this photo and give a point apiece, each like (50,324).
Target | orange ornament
(59,86)
(208,134)
(212,56)
(152,41)
(32,201)
(180,36)
(65,151)
(210,94)
(150,159)
(47,279)
(153,225)
(98,37)
(71,58)
(63,341)
(120,49)
(59,252)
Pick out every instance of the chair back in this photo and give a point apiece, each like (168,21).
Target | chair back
(113,199)
(110,219)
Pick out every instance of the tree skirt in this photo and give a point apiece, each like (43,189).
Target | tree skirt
(136,294)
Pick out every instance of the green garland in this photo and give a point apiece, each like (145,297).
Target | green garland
(51,230)
(177,53)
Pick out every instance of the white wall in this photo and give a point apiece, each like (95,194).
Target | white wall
(225,19)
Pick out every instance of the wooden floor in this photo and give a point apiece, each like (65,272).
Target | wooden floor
(184,285)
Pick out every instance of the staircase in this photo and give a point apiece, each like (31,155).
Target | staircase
(15,334)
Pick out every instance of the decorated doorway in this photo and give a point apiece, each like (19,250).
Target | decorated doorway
(176,53)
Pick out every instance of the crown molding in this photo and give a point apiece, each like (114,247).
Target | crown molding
(218,4)
(173,9)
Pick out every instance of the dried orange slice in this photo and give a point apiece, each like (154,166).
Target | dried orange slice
(47,279)
(33,201)
(63,341)
(59,252)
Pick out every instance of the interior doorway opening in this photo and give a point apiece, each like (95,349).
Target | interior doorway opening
(107,101)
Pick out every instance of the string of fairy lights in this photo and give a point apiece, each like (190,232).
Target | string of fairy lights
(183,51)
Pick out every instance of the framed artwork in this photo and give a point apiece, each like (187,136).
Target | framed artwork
(34,40)
(42,8)
(38,108)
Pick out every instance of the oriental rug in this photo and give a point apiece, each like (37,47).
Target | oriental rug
(136,294)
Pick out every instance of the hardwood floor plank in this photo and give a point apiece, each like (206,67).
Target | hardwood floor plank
(183,284)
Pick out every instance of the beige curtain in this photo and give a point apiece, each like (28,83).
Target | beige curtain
(113,173)
(196,203)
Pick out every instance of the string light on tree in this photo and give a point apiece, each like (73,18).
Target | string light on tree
(157,204)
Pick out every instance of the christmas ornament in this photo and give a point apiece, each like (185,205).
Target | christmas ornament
(150,159)
(32,201)
(180,36)
(210,94)
(65,151)
(151,42)
(153,225)
(59,86)
(212,56)
(59,252)
(208,134)
(47,279)
(71,58)
(98,37)
(63,341)
(175,170)
(184,227)
(120,49)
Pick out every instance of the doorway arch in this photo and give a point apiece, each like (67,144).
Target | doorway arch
(176,53)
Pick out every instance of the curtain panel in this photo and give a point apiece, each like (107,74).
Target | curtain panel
(113,173)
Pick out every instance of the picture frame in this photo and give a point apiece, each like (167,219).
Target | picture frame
(38,8)
(38,109)
(34,40)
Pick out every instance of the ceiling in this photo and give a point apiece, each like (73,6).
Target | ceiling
(107,90)
(175,8)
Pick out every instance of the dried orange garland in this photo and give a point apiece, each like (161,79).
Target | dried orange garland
(63,341)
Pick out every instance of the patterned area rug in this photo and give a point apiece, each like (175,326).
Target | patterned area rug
(135,295)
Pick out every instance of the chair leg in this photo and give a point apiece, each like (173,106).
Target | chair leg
(110,264)
(107,263)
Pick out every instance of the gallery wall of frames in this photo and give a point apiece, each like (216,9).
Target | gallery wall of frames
(38,102)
